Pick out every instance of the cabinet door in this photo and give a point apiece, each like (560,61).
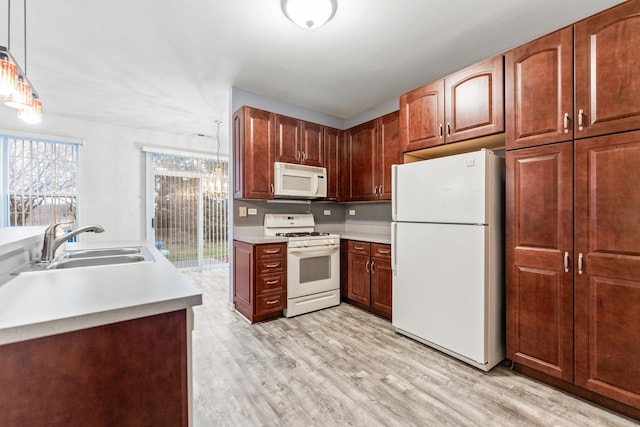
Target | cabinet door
(381,286)
(539,91)
(243,278)
(359,278)
(474,101)
(312,144)
(332,144)
(607,54)
(607,288)
(253,135)
(422,117)
(539,226)
(362,142)
(389,130)
(288,147)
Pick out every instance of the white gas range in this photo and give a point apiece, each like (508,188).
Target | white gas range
(313,262)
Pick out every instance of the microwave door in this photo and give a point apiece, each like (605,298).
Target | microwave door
(296,184)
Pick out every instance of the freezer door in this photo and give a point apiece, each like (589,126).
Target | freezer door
(439,286)
(448,189)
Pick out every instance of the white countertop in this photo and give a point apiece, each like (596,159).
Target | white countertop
(256,237)
(39,304)
(366,237)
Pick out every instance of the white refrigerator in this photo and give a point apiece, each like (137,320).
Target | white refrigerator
(448,256)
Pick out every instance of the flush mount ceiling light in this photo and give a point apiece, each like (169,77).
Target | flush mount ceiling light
(14,84)
(309,14)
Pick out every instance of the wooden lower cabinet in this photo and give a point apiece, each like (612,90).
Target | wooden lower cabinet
(367,276)
(259,280)
(573,267)
(131,373)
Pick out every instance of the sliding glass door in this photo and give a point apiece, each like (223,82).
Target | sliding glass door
(189,213)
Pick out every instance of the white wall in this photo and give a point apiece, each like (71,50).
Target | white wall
(111,170)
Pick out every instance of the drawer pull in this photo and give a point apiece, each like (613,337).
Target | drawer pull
(275,301)
(384,252)
(273,265)
(272,251)
(358,248)
(272,282)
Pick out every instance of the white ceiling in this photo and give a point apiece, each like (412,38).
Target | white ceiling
(168,65)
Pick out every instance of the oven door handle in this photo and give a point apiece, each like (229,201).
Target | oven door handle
(315,250)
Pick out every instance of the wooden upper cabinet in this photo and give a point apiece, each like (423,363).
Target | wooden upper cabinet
(607,288)
(332,160)
(288,147)
(422,117)
(474,101)
(539,240)
(465,105)
(312,146)
(298,141)
(362,142)
(253,140)
(607,64)
(389,134)
(539,91)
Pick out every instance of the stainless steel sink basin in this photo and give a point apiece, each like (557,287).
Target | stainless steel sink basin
(92,253)
(99,260)
(93,258)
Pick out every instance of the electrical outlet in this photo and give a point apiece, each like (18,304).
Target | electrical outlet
(352,212)
(327,212)
(253,211)
(242,211)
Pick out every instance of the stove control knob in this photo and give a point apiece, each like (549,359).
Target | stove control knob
(305,244)
(332,242)
(300,244)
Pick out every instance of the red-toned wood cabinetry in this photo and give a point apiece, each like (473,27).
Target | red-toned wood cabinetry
(253,142)
(333,160)
(367,276)
(464,105)
(298,141)
(371,148)
(259,280)
(573,265)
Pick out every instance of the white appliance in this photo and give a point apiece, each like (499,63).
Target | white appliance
(313,262)
(447,255)
(299,181)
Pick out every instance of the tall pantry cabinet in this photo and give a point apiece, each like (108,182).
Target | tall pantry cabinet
(573,207)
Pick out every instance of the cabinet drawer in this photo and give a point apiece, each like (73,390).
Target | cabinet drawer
(278,250)
(362,248)
(381,251)
(271,283)
(270,302)
(271,266)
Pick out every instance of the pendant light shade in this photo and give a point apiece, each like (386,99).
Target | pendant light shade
(309,14)
(21,98)
(33,114)
(8,76)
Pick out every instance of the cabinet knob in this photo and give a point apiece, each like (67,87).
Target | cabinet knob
(580,262)
(566,262)
(581,119)
(366,267)
(566,122)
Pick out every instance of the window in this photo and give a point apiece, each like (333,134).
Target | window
(40,182)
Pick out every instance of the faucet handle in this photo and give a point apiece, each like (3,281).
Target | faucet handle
(53,228)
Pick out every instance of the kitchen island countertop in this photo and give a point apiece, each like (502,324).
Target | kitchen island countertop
(44,303)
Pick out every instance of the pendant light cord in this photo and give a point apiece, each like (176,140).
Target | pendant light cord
(9,25)
(25,38)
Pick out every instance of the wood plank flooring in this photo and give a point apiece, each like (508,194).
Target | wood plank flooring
(345,367)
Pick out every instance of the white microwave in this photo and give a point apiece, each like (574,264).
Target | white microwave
(299,181)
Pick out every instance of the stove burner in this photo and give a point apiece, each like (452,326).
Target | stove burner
(302,234)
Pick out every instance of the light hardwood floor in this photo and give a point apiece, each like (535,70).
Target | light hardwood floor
(345,367)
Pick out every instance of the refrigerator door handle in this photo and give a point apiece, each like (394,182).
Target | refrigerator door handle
(394,192)
(394,268)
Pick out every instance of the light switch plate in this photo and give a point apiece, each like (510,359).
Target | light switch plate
(327,212)
(242,211)
(253,211)
(352,211)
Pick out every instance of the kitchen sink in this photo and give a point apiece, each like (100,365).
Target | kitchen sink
(92,253)
(92,258)
(98,260)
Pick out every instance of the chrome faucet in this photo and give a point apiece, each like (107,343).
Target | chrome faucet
(52,242)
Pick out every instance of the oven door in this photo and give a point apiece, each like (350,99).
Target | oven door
(312,270)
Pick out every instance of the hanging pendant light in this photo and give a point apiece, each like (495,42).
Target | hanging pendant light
(21,98)
(14,85)
(33,114)
(309,14)
(8,75)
